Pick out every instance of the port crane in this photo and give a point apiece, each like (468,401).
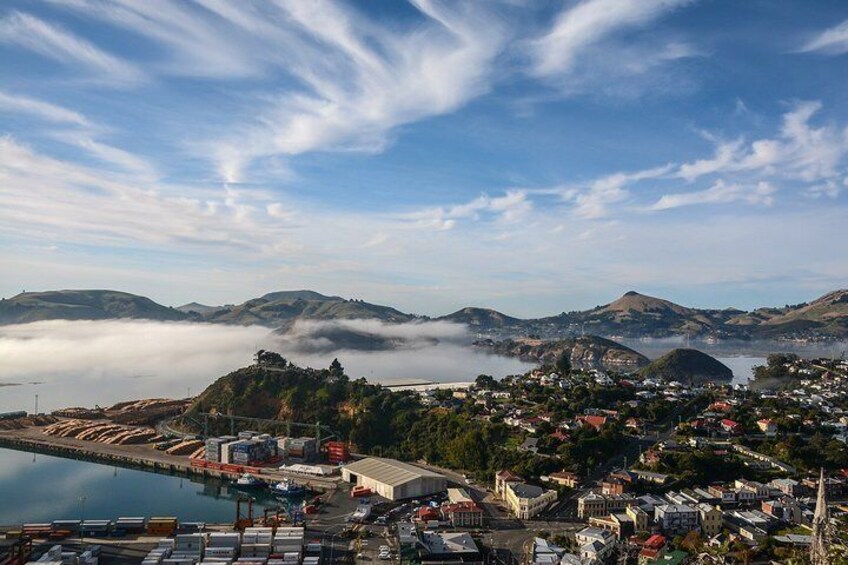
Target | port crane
(321,433)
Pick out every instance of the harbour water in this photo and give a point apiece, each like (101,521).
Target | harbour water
(41,488)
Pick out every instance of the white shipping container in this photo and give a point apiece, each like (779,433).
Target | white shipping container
(220,552)
(224,539)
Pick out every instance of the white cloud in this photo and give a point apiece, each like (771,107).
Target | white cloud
(110,154)
(801,152)
(595,202)
(75,203)
(719,193)
(512,207)
(349,81)
(55,43)
(580,49)
(726,153)
(41,109)
(832,41)
(366,79)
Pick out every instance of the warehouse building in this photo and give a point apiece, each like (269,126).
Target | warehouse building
(393,479)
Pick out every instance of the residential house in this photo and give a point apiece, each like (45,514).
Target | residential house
(724,495)
(612,486)
(789,487)
(595,543)
(501,480)
(463,514)
(767,426)
(674,519)
(731,427)
(596,504)
(640,518)
(786,509)
(652,550)
(710,518)
(594,421)
(565,478)
(760,490)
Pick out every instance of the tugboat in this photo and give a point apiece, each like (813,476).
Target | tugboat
(249,482)
(288,488)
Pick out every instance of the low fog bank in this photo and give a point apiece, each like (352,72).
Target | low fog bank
(656,347)
(101,362)
(324,336)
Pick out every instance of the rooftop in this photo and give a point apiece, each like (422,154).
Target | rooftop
(389,471)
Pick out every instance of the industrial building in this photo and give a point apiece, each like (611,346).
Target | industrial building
(393,479)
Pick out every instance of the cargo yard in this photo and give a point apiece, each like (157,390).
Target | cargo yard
(165,541)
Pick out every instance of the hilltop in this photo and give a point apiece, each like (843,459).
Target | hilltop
(277,308)
(687,366)
(826,315)
(83,305)
(482,318)
(584,352)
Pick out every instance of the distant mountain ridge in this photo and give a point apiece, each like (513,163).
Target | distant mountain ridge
(633,315)
(83,305)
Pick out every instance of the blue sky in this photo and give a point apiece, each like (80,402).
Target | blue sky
(533,157)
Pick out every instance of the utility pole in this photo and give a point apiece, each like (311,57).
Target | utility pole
(318,437)
(36,405)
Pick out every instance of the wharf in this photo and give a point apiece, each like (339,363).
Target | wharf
(140,456)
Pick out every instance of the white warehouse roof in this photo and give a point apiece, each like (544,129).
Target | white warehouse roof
(389,471)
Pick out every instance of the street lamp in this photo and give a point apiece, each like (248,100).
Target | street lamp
(82,523)
(334,533)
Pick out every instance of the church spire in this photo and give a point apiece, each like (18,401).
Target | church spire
(821,527)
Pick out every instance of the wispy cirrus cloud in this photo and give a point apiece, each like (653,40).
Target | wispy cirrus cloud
(51,41)
(832,41)
(719,193)
(582,51)
(40,109)
(350,80)
(586,24)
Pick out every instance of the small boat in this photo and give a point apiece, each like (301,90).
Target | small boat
(248,481)
(287,487)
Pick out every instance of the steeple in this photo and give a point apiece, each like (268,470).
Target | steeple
(821,527)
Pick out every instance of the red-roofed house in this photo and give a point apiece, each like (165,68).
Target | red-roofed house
(565,478)
(596,422)
(719,407)
(560,436)
(731,427)
(463,514)
(428,514)
(652,549)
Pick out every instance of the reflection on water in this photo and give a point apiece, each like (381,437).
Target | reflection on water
(740,356)
(40,488)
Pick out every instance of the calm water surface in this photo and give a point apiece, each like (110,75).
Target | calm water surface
(40,488)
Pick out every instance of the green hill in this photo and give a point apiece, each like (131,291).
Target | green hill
(687,366)
(278,308)
(482,319)
(633,315)
(83,305)
(280,390)
(585,352)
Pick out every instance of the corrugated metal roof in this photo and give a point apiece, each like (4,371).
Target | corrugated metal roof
(389,471)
